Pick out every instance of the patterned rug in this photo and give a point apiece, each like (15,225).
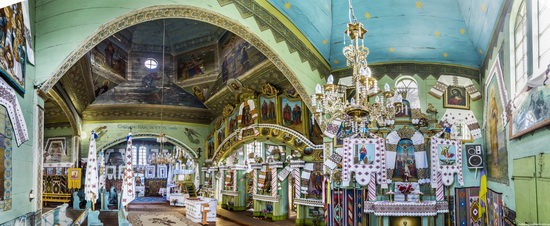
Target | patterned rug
(149,200)
(158,218)
(466,203)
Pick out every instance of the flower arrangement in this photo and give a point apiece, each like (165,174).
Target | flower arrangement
(405,188)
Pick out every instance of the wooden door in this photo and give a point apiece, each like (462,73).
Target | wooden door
(543,187)
(525,189)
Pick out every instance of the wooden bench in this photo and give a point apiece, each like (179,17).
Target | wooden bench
(51,197)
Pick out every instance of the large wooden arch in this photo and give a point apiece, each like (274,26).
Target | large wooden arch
(182,12)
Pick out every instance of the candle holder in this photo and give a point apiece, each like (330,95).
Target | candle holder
(390,194)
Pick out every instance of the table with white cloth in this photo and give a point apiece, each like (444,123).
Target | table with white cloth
(194,207)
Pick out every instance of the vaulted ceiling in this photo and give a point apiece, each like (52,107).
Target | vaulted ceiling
(454,32)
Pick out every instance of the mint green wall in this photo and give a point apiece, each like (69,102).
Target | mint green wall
(23,161)
(64,25)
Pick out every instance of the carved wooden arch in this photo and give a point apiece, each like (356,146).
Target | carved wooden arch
(168,12)
(172,140)
(276,134)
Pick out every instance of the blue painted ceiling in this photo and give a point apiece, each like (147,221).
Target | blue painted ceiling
(454,32)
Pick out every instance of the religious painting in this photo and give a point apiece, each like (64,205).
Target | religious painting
(237,56)
(13,43)
(363,153)
(405,164)
(533,112)
(268,109)
(232,122)
(102,85)
(150,171)
(110,57)
(315,189)
(315,133)
(293,114)
(114,157)
(139,177)
(196,64)
(494,208)
(405,111)
(210,147)
(56,150)
(162,171)
(456,97)
(220,135)
(74,173)
(247,113)
(495,129)
(447,154)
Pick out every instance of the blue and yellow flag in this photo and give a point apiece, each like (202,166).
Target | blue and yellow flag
(482,193)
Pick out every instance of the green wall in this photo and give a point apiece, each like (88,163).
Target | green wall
(117,130)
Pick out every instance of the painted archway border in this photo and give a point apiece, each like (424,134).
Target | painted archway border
(168,12)
(220,152)
(172,140)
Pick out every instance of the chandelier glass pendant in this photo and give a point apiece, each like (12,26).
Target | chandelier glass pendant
(349,101)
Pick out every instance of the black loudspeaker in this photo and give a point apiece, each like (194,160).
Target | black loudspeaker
(474,156)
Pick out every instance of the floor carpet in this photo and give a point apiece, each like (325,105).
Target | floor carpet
(149,200)
(158,218)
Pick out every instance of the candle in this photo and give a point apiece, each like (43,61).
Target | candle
(352,101)
(318,89)
(377,99)
(387,87)
(330,80)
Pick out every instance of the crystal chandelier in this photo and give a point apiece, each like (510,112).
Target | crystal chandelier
(161,158)
(348,102)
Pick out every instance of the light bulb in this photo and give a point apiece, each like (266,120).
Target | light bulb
(330,80)
(318,89)
(387,87)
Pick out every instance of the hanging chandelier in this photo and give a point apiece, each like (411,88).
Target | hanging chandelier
(349,101)
(161,158)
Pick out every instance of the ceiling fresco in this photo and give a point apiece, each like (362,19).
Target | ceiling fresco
(436,31)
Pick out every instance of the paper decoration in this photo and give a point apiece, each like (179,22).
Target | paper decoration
(465,118)
(335,159)
(284,173)
(450,80)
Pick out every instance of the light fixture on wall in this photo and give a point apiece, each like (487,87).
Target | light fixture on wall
(348,101)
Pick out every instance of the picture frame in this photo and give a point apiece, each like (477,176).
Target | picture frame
(363,153)
(74,173)
(12,67)
(232,122)
(150,172)
(110,171)
(293,114)
(456,97)
(162,171)
(268,106)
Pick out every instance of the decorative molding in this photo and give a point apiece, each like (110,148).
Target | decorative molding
(267,198)
(393,70)
(97,112)
(59,164)
(427,208)
(200,14)
(40,153)
(223,149)
(309,202)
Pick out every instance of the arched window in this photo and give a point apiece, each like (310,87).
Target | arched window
(139,156)
(520,47)
(407,87)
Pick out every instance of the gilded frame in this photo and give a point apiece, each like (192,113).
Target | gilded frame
(301,128)
(274,111)
(451,103)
